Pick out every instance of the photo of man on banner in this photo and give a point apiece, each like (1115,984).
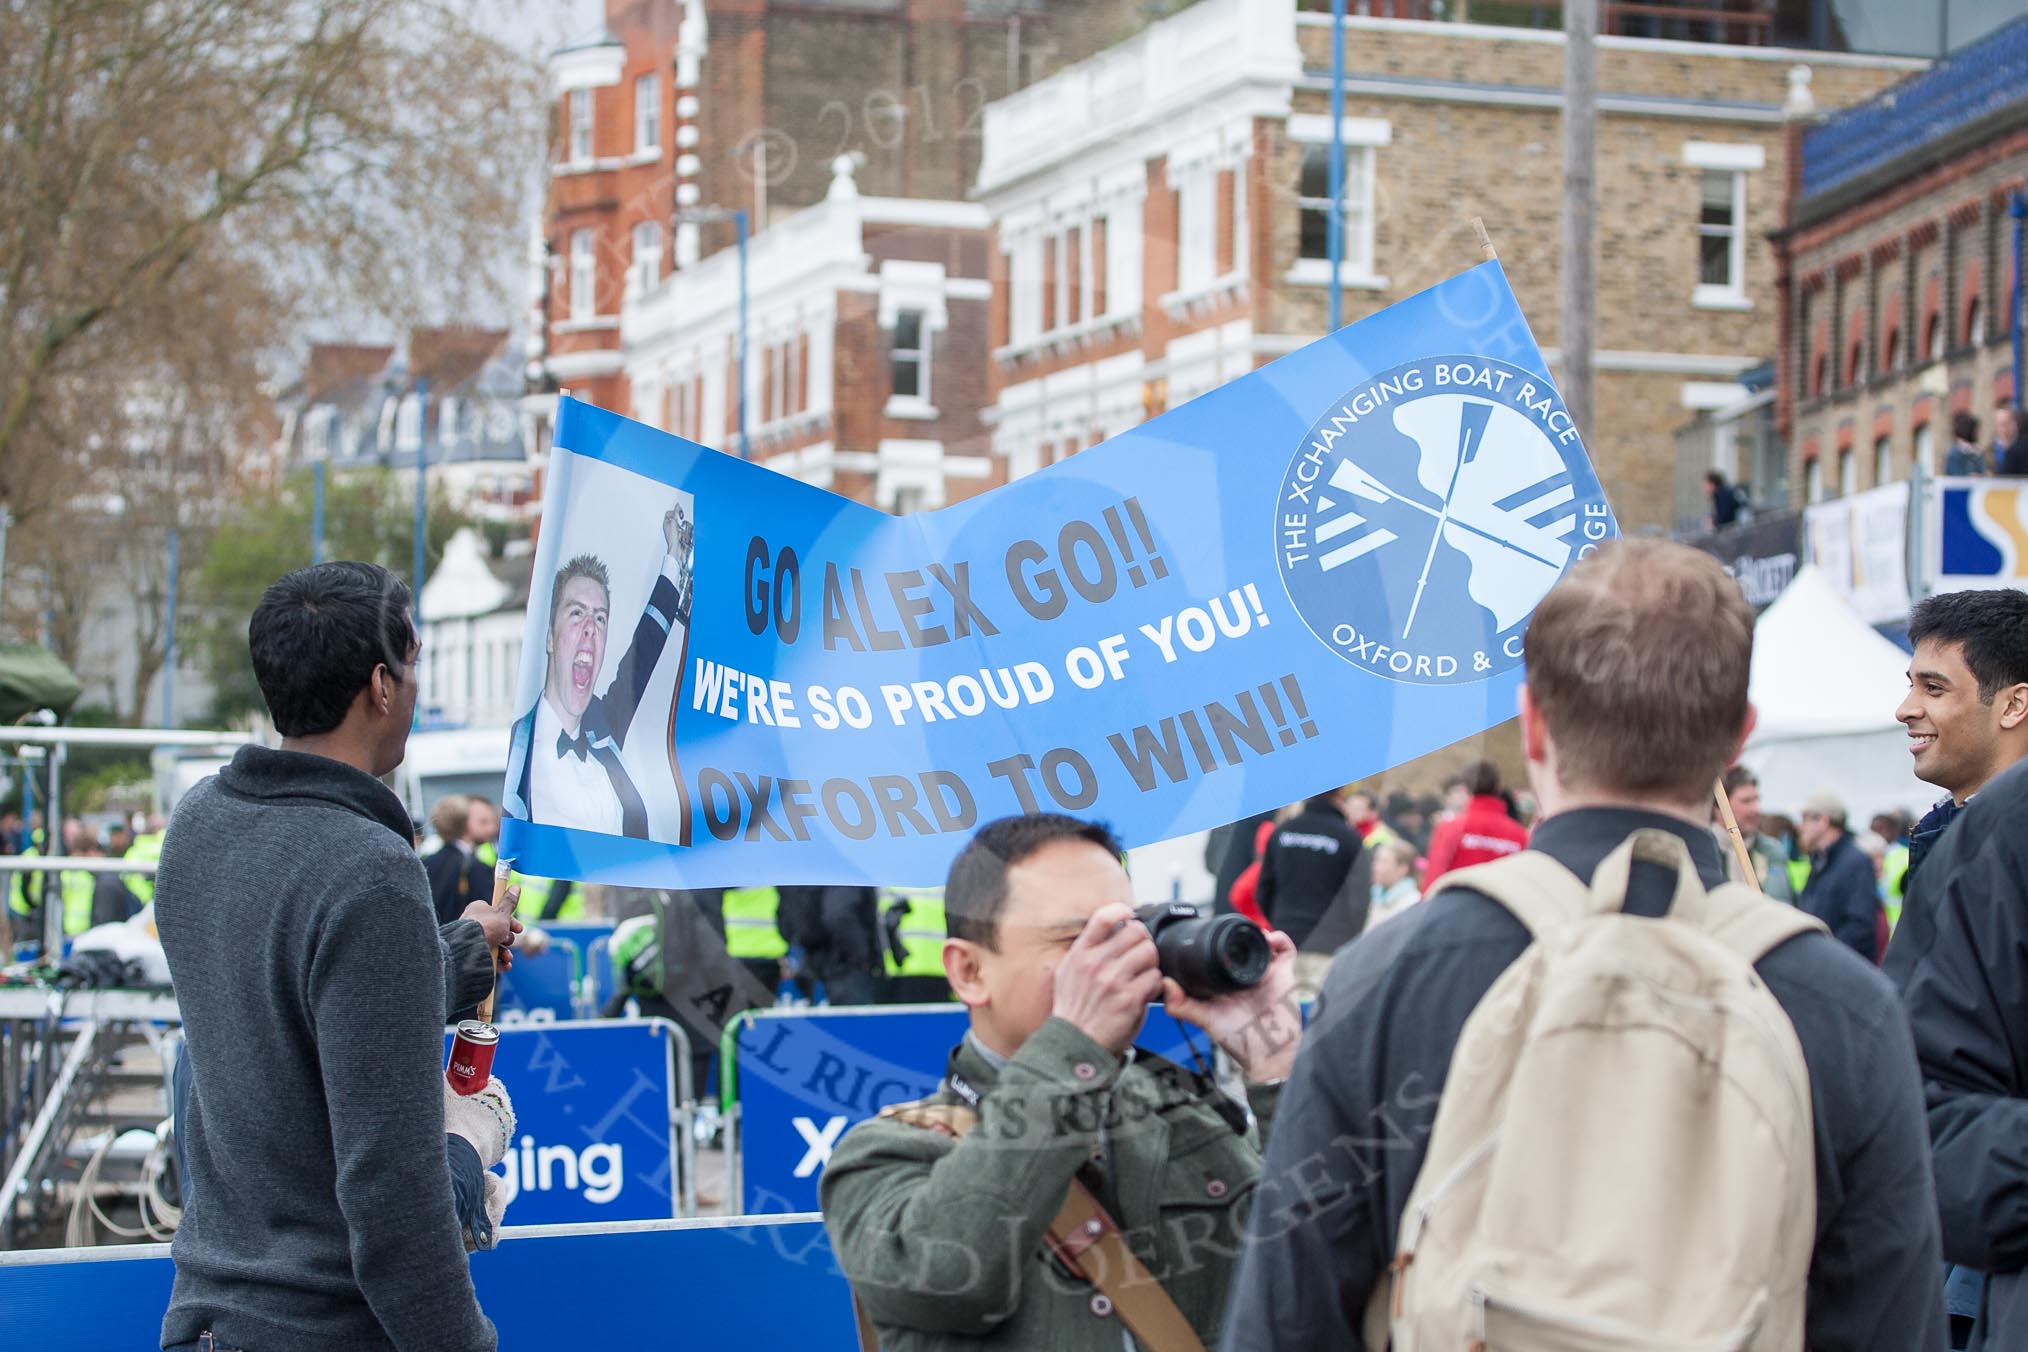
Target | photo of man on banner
(564,764)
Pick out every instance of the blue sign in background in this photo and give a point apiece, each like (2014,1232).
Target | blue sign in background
(716,1285)
(1306,576)
(594,1138)
(807,1076)
(540,989)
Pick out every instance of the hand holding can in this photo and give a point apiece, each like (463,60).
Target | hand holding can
(471,1064)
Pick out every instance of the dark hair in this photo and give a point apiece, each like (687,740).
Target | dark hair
(1324,802)
(1739,777)
(1964,427)
(316,637)
(976,890)
(1481,778)
(1714,478)
(1991,625)
(584,565)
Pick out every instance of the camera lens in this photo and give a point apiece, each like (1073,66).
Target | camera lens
(1207,955)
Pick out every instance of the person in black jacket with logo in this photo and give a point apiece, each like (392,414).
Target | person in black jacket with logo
(1302,872)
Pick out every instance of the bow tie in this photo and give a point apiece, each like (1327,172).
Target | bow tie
(579,746)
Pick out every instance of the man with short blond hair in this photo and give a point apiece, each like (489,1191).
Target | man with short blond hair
(1635,701)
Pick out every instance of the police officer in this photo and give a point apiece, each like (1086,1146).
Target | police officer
(912,947)
(751,934)
(146,849)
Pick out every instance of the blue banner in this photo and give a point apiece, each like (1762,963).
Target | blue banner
(716,1285)
(807,1076)
(595,1132)
(1316,572)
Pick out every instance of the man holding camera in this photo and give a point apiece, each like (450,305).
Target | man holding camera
(1060,1189)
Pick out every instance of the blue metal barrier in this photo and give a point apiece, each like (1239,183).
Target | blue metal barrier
(760,1283)
(541,989)
(806,1076)
(602,1113)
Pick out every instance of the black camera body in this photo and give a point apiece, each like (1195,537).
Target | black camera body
(1207,954)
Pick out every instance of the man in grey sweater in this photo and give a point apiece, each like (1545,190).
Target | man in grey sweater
(313,986)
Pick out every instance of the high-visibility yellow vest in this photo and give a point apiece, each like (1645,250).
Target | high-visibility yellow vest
(77,901)
(535,895)
(1894,882)
(535,892)
(75,890)
(1799,875)
(1379,836)
(922,934)
(750,930)
(145,849)
(27,888)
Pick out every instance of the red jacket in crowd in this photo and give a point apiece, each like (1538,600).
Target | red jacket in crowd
(1483,833)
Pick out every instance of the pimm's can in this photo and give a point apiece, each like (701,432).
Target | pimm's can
(472,1057)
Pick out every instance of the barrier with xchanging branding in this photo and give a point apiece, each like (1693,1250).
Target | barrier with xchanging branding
(769,1282)
(603,1110)
(805,1076)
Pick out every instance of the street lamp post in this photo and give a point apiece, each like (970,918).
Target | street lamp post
(317,511)
(169,629)
(1334,228)
(737,215)
(422,487)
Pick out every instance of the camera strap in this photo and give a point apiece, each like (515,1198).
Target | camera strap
(1082,1236)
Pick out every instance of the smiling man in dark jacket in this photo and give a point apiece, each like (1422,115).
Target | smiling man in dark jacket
(1964,975)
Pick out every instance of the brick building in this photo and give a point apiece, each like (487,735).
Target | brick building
(686,104)
(357,406)
(1160,212)
(1896,269)
(866,362)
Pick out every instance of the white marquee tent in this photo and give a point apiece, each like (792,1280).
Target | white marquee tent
(1826,685)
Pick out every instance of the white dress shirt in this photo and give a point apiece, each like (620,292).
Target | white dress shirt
(569,790)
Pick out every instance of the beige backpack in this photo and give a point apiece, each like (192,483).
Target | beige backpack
(1623,1156)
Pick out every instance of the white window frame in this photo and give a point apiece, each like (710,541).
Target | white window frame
(580,114)
(1813,480)
(779,373)
(1363,138)
(792,372)
(1883,461)
(644,264)
(1024,285)
(584,275)
(1196,230)
(648,113)
(920,355)
(1059,244)
(1924,437)
(1123,258)
(1736,160)
(1848,473)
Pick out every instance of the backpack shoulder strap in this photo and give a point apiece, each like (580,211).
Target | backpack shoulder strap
(1752,924)
(1541,893)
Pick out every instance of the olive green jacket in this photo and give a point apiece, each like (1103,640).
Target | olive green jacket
(942,1239)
